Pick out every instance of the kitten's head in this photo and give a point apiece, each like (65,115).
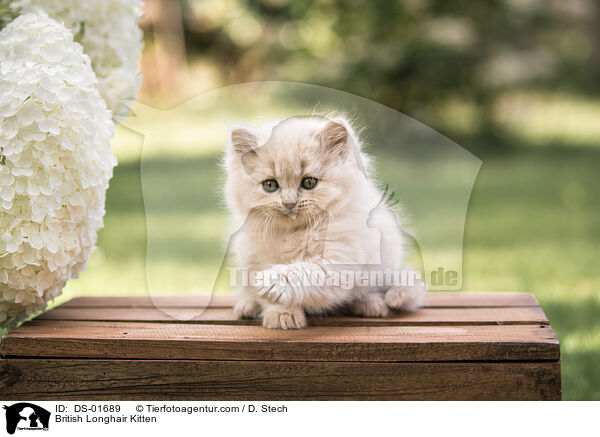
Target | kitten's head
(293,171)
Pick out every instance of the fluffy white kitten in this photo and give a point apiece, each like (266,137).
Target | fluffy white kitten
(301,190)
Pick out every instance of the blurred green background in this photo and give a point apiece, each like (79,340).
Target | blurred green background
(516,82)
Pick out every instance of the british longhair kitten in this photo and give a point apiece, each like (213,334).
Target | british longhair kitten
(315,234)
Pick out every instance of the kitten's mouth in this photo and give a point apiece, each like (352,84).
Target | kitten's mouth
(291,213)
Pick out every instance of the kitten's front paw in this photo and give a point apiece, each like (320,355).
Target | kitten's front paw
(371,306)
(278,317)
(246,308)
(405,298)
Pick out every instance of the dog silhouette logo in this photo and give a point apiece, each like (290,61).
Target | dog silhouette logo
(26,416)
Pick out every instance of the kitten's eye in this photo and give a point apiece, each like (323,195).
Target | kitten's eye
(270,185)
(309,183)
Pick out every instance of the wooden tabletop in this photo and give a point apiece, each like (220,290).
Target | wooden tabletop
(460,346)
(450,327)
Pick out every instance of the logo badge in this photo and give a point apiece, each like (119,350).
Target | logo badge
(26,416)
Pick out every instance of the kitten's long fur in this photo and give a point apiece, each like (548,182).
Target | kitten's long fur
(341,223)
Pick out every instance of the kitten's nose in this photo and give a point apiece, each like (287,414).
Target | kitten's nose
(290,205)
(289,198)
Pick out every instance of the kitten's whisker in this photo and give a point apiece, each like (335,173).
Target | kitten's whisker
(270,223)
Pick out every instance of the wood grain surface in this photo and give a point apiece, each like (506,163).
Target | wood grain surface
(51,379)
(221,342)
(426,316)
(461,346)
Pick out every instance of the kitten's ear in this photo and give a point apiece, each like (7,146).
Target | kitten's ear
(334,138)
(242,140)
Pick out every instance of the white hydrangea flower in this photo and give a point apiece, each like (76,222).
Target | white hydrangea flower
(55,163)
(110,36)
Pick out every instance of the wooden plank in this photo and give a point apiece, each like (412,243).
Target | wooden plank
(57,380)
(432,300)
(47,338)
(425,316)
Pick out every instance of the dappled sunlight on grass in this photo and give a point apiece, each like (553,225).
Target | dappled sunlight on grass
(540,119)
(196,127)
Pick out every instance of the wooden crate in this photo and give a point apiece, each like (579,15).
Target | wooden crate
(460,346)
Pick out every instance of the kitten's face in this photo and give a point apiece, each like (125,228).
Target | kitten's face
(291,175)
